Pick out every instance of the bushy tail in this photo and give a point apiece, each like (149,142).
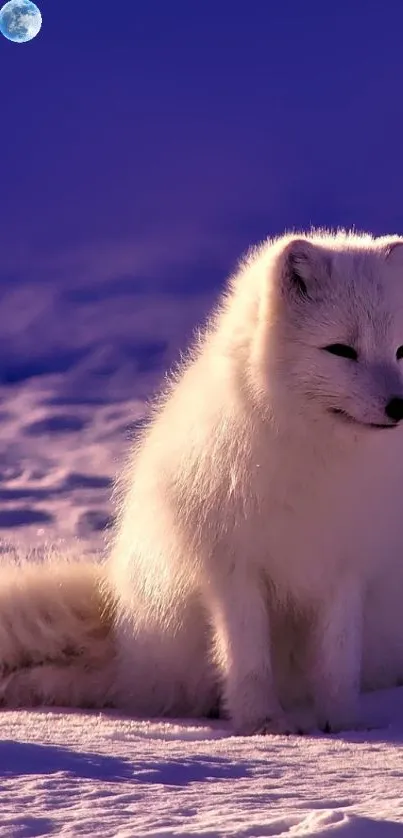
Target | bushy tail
(55,634)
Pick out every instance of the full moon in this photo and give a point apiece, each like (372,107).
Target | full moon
(20,20)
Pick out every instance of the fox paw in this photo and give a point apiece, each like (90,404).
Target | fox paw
(279,725)
(337,722)
(337,726)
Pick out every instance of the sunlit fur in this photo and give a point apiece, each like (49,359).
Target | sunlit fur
(256,564)
(55,634)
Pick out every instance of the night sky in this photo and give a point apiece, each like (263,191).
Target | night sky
(196,125)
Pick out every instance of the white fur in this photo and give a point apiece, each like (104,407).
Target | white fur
(55,634)
(256,562)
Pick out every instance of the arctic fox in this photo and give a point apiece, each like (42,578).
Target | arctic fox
(256,568)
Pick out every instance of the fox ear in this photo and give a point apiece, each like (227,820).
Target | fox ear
(304,266)
(394,252)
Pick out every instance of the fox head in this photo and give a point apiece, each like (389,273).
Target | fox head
(329,340)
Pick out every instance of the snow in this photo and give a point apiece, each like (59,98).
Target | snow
(100,774)
(83,342)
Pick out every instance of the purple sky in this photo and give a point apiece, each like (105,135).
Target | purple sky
(196,126)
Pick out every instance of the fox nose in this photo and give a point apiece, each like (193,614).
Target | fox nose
(394,409)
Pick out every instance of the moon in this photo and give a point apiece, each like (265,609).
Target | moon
(20,21)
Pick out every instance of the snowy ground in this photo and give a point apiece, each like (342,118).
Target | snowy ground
(81,347)
(101,775)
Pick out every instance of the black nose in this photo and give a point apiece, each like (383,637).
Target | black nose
(394,409)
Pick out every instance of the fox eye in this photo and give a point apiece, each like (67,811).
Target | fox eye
(399,353)
(345,351)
